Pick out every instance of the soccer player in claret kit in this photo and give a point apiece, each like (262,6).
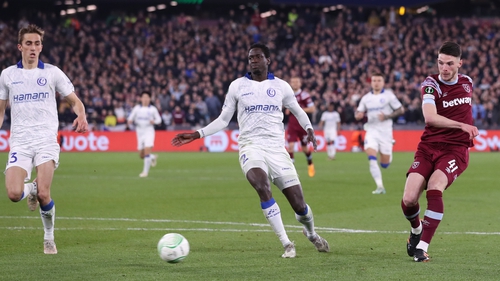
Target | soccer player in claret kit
(30,88)
(259,97)
(294,130)
(443,152)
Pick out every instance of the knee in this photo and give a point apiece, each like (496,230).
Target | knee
(43,194)
(409,201)
(14,196)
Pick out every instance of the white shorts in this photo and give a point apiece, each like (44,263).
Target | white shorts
(145,139)
(330,135)
(31,156)
(381,142)
(274,161)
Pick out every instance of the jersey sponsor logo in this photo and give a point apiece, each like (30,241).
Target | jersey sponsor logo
(29,97)
(271,92)
(415,164)
(457,101)
(262,108)
(467,88)
(41,81)
(429,90)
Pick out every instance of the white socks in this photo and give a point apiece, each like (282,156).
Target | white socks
(27,190)
(331,151)
(308,221)
(147,163)
(48,218)
(376,174)
(273,216)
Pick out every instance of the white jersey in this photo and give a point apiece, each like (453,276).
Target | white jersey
(331,120)
(385,102)
(142,117)
(259,106)
(32,97)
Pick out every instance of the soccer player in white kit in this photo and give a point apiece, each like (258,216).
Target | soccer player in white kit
(330,120)
(258,98)
(145,116)
(30,87)
(380,106)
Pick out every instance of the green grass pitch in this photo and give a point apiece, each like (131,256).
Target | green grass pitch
(109,221)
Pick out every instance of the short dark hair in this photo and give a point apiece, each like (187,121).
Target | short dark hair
(379,74)
(263,47)
(451,49)
(146,93)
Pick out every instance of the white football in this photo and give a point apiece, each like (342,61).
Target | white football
(173,247)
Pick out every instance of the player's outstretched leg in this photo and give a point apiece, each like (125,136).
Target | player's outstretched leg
(376,175)
(307,219)
(147,165)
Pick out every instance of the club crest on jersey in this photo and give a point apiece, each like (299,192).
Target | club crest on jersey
(466,88)
(271,92)
(382,100)
(415,165)
(41,81)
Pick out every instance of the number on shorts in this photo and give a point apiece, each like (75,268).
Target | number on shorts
(13,157)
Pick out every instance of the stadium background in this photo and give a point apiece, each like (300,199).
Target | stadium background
(186,52)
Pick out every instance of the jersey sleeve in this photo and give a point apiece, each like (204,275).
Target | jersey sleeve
(394,102)
(430,89)
(231,100)
(4,90)
(288,95)
(132,114)
(63,84)
(228,109)
(156,115)
(361,106)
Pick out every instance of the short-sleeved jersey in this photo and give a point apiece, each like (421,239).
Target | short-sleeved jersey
(385,102)
(453,101)
(259,107)
(304,99)
(331,119)
(32,97)
(142,117)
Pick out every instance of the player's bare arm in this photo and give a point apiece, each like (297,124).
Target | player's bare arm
(432,118)
(395,113)
(80,124)
(185,138)
(3,106)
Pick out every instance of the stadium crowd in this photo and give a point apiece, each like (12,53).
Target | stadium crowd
(188,62)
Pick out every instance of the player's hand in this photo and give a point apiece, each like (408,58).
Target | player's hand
(471,130)
(381,116)
(311,138)
(80,124)
(184,138)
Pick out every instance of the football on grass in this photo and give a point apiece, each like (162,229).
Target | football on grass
(173,247)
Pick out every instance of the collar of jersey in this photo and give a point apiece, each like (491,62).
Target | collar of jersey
(40,65)
(383,90)
(448,83)
(270,76)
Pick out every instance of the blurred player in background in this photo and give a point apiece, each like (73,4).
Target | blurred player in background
(258,98)
(144,116)
(30,87)
(330,120)
(294,130)
(380,106)
(443,152)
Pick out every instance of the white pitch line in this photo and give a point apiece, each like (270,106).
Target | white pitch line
(322,229)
